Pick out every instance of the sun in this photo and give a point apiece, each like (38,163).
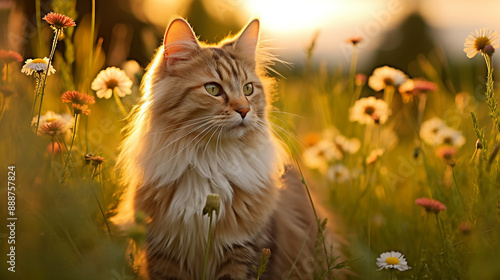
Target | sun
(293,15)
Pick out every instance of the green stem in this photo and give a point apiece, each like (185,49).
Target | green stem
(318,221)
(421,243)
(209,241)
(119,104)
(91,50)
(490,94)
(391,273)
(38,81)
(388,94)
(458,189)
(68,156)
(102,213)
(440,233)
(46,73)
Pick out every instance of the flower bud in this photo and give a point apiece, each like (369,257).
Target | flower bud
(212,204)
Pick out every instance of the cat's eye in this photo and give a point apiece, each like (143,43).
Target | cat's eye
(212,88)
(248,89)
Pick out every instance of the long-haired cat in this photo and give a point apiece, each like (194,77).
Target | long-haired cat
(202,127)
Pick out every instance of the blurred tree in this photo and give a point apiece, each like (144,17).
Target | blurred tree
(401,45)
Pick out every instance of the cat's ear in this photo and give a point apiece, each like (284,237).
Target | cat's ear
(248,40)
(179,41)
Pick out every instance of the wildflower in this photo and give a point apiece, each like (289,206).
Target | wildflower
(355,40)
(88,158)
(411,88)
(58,21)
(50,116)
(311,139)
(338,173)
(483,41)
(465,228)
(360,79)
(77,98)
(346,145)
(38,65)
(110,79)
(52,129)
(450,136)
(392,260)
(212,204)
(10,56)
(430,205)
(318,156)
(81,109)
(133,70)
(369,111)
(385,76)
(446,152)
(374,156)
(429,130)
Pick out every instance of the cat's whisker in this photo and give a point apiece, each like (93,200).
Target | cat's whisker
(181,137)
(187,145)
(286,113)
(289,134)
(188,122)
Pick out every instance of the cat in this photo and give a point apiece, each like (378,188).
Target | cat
(202,127)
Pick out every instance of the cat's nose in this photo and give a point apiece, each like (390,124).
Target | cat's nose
(242,111)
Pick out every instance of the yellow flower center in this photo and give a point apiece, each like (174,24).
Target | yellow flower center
(39,60)
(392,260)
(481,42)
(111,83)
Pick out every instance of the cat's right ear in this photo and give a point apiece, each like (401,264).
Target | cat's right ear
(179,41)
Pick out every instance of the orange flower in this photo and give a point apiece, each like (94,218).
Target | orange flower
(430,205)
(77,98)
(81,109)
(58,21)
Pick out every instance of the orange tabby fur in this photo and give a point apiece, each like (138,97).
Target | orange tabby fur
(183,143)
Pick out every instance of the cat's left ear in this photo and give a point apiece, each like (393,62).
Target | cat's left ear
(248,40)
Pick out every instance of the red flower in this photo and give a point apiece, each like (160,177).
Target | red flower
(10,56)
(77,98)
(81,109)
(430,205)
(58,21)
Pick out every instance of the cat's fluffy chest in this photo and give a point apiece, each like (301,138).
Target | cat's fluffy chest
(241,175)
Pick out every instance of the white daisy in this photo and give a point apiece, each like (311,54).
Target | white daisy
(346,145)
(319,155)
(369,110)
(338,173)
(392,260)
(450,136)
(386,76)
(478,42)
(110,79)
(38,65)
(429,130)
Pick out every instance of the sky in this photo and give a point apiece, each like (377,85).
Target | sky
(289,25)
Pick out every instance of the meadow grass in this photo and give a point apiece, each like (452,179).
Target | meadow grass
(65,199)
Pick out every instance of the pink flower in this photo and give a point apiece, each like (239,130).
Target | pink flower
(58,21)
(430,205)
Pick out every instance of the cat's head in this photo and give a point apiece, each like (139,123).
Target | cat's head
(208,90)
